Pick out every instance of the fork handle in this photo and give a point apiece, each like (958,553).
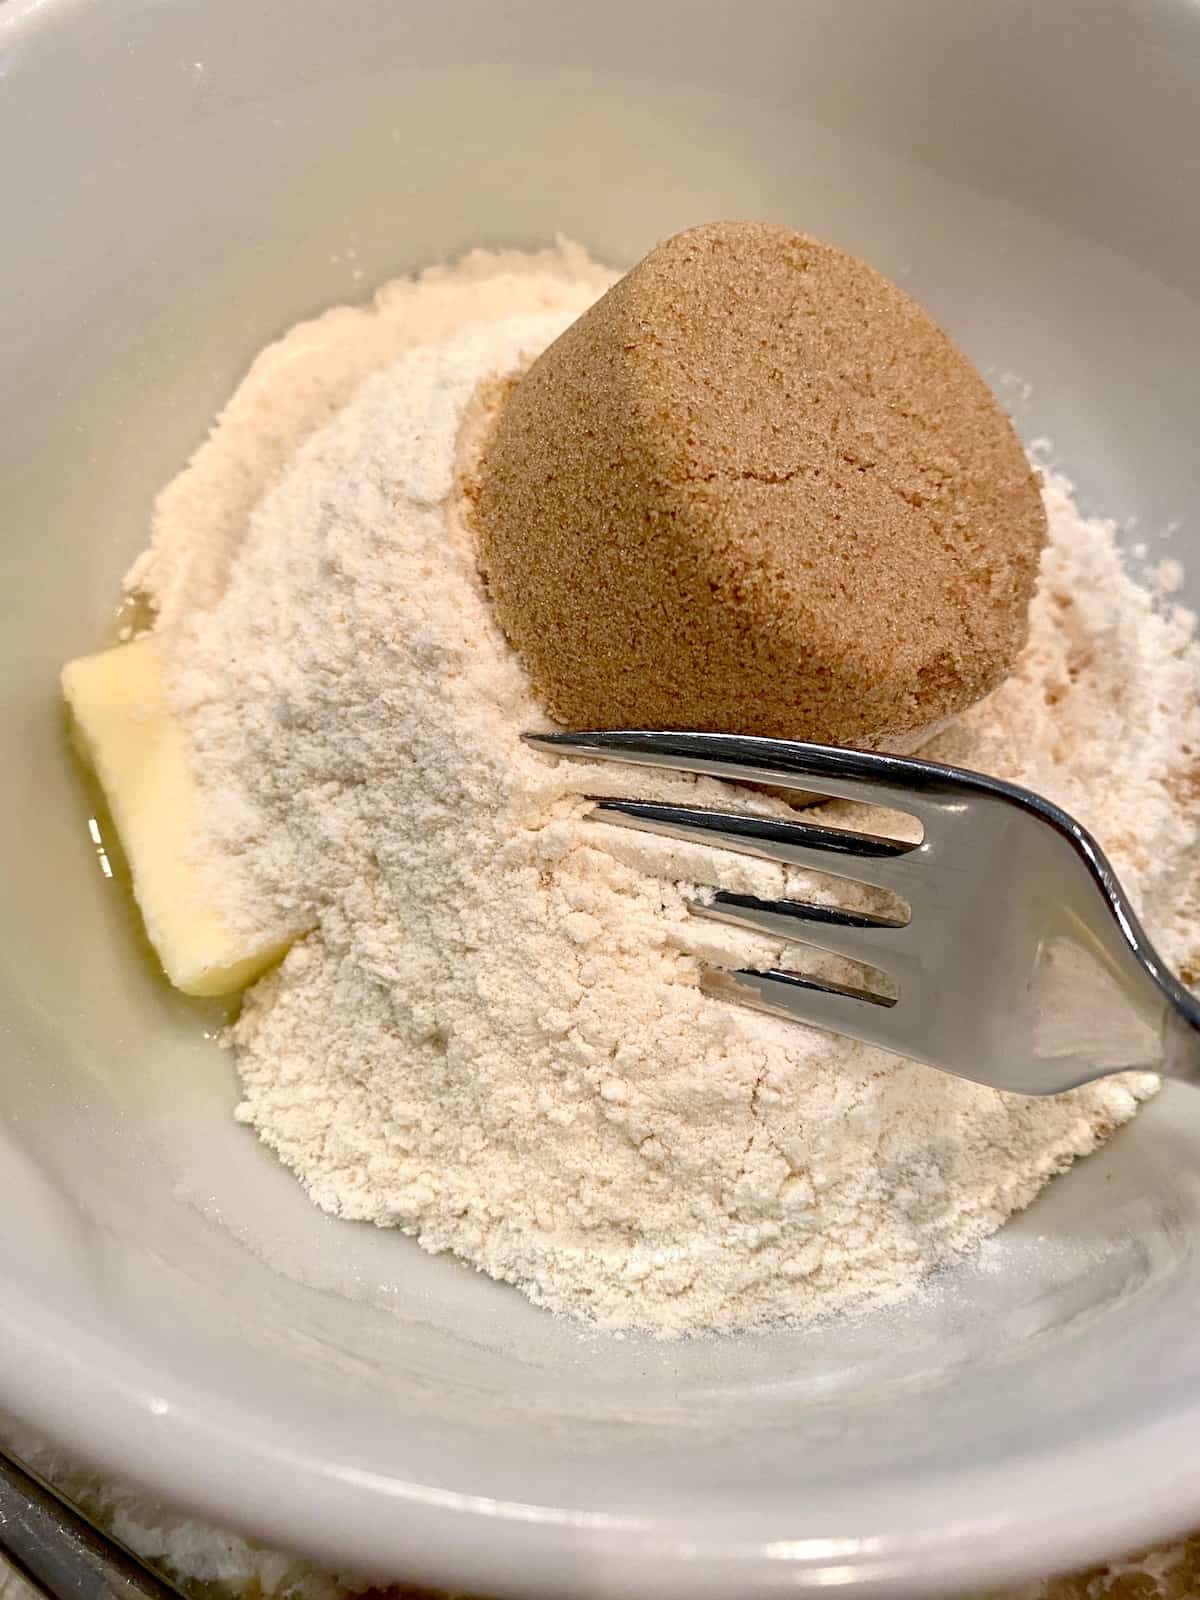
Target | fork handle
(60,1552)
(1181,1046)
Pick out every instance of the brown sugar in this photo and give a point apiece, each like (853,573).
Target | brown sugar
(757,489)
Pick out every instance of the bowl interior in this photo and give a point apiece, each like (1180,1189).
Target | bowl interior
(169,1299)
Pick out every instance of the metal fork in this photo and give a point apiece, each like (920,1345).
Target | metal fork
(1020,963)
(63,1554)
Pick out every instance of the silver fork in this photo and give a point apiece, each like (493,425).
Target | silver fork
(62,1553)
(1020,963)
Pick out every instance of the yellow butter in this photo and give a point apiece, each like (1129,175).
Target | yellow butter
(138,749)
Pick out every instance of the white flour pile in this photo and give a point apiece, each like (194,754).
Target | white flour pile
(494,1038)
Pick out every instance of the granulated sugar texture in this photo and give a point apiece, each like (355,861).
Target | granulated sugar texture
(494,1037)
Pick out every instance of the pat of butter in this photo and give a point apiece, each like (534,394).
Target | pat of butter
(138,749)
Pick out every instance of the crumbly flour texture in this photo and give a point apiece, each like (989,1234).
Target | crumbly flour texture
(494,1038)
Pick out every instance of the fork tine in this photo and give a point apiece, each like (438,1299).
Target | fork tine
(845,854)
(857,935)
(903,785)
(835,1007)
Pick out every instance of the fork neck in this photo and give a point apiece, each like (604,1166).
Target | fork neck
(1181,1041)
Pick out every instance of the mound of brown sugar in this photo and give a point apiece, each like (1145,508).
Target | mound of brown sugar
(757,489)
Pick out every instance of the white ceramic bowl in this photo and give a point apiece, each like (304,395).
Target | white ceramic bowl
(179,180)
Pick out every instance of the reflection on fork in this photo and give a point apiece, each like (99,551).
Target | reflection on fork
(1020,963)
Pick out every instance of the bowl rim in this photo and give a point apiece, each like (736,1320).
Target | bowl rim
(1070,1507)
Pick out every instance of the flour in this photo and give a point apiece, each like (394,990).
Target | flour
(495,1038)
